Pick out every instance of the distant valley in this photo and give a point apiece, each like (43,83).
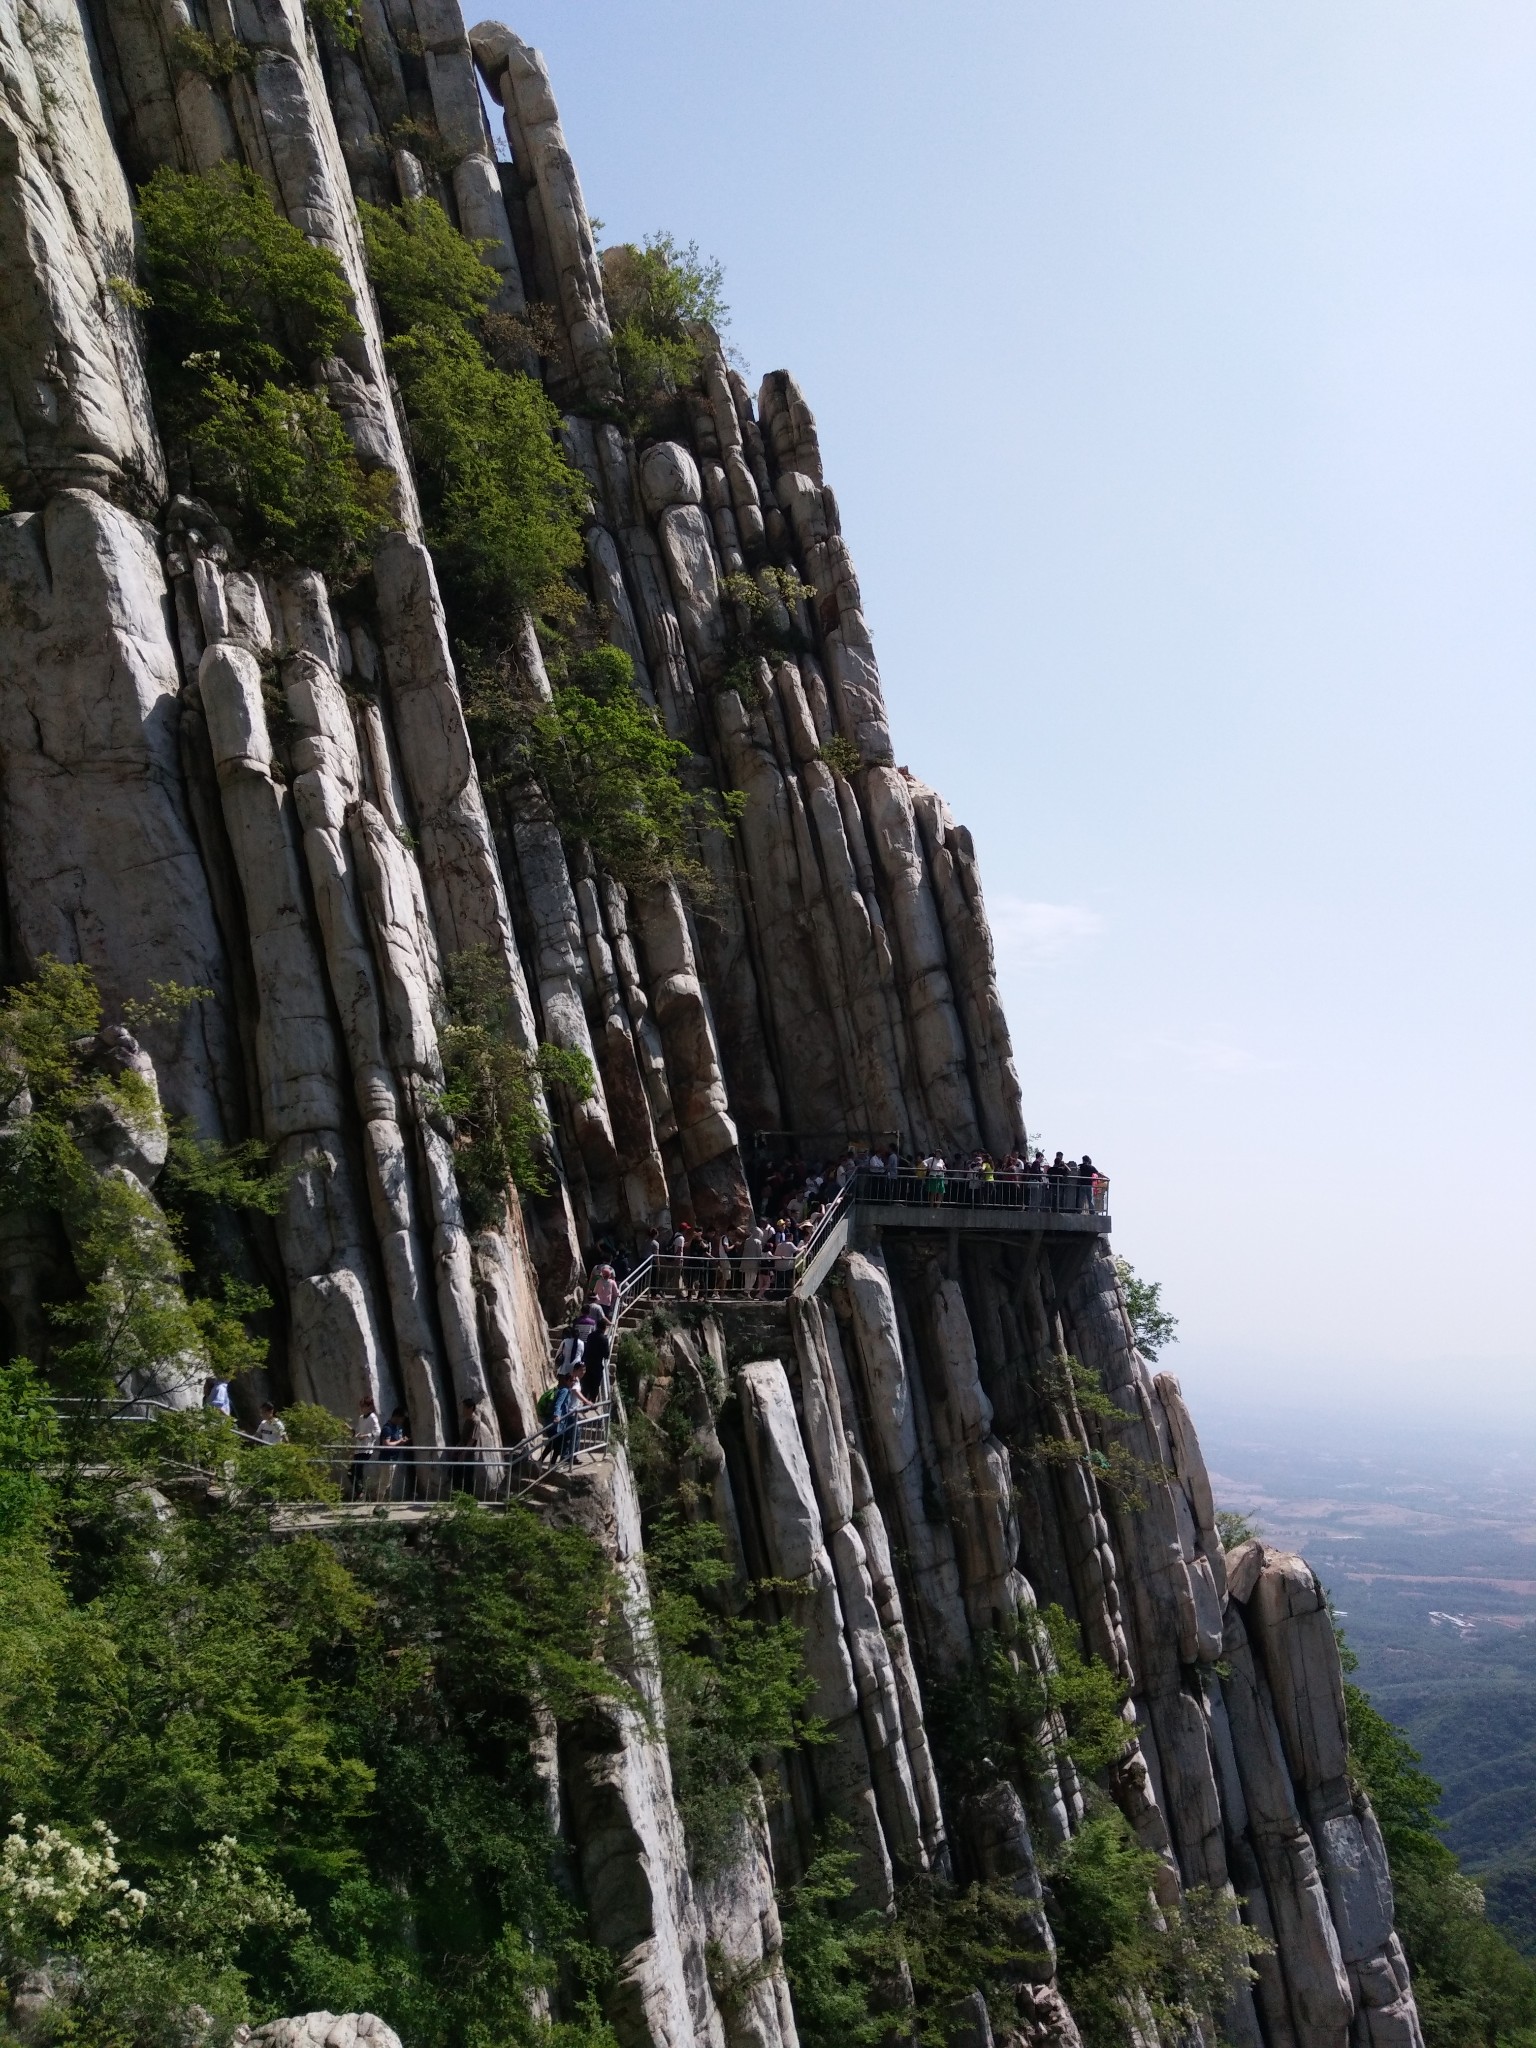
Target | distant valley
(1426,1539)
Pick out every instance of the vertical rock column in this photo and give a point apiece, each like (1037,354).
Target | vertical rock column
(618,1791)
(902,1766)
(335,1355)
(458,855)
(1292,1632)
(790,1521)
(567,272)
(99,857)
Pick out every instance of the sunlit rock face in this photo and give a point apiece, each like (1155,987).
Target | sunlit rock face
(235,778)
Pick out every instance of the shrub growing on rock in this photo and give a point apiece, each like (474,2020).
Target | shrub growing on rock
(604,761)
(492,1087)
(240,305)
(663,298)
(140,1304)
(502,506)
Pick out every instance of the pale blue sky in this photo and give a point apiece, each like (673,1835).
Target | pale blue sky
(1175,366)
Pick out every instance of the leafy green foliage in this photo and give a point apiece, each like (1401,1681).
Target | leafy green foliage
(282,461)
(191,50)
(734,1689)
(841,756)
(314,1756)
(29,1435)
(762,625)
(132,1313)
(424,272)
(996,1717)
(492,1088)
(603,759)
(503,507)
(1115,1945)
(231,278)
(828,1953)
(340,17)
(165,1003)
(240,304)
(1076,1395)
(1234,1528)
(945,1941)
(734,1684)
(661,296)
(1471,1985)
(1151,1323)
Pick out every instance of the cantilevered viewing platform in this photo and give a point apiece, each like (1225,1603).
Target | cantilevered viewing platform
(869,1205)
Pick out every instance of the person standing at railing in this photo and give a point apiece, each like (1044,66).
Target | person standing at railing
(677,1250)
(365,1441)
(1035,1183)
(751,1257)
(696,1264)
(1087,1180)
(271,1429)
(1056,1183)
(935,1173)
(718,1268)
(216,1396)
(784,1258)
(394,1442)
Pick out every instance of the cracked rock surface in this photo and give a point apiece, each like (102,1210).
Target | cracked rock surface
(223,773)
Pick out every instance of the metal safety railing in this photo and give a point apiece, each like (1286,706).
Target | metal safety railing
(377,1474)
(775,1274)
(1034,1194)
(492,1473)
(125,1408)
(772,1275)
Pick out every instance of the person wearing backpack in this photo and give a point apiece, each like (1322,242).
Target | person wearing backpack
(565,1419)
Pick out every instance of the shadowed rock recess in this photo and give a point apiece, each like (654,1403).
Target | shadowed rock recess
(229,776)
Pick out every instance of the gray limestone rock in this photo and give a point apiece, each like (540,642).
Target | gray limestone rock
(322,2030)
(219,773)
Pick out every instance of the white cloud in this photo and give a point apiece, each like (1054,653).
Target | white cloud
(1024,932)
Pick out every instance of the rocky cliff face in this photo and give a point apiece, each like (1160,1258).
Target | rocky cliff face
(232,778)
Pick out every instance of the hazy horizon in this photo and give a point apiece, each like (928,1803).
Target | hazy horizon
(1174,372)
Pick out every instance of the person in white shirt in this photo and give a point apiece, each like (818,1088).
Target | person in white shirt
(271,1429)
(751,1254)
(365,1441)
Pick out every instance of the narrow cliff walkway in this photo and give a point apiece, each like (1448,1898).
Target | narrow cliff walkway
(407,1487)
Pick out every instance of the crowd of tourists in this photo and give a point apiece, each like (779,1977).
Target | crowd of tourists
(793,1198)
(761,1260)
(1022,1179)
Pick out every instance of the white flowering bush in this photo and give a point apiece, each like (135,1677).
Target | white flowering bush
(51,1884)
(222,1896)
